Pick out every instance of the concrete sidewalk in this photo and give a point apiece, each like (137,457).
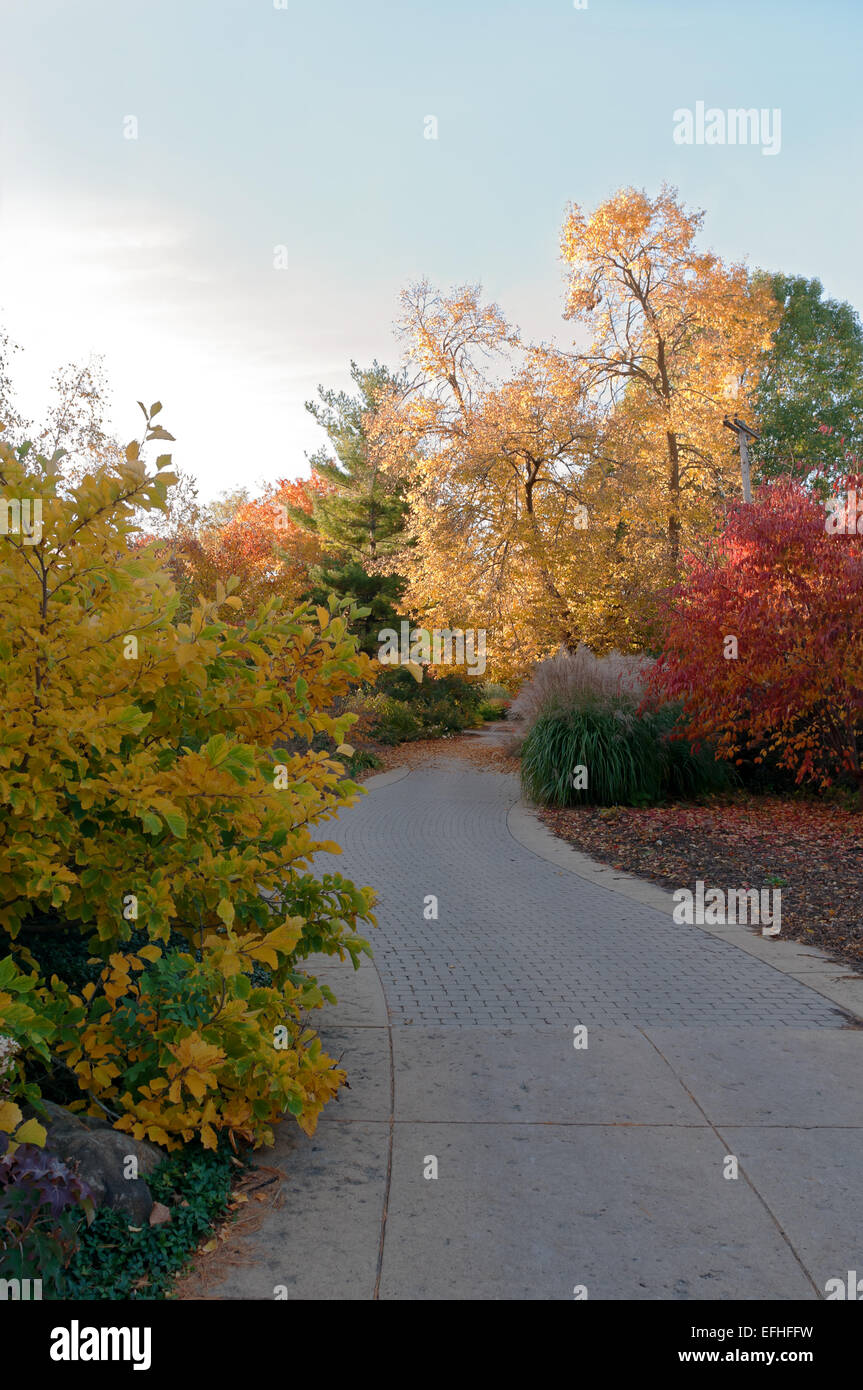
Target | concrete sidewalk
(557,1167)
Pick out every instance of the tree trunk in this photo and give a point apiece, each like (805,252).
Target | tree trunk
(674,505)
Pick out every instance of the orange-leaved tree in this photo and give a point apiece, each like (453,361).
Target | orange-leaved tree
(259,544)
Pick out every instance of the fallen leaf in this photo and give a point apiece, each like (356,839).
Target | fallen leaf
(159,1215)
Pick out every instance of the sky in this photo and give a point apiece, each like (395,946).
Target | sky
(224,198)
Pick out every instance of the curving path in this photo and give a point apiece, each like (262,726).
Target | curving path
(558,1166)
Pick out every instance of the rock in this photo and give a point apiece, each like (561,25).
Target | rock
(159,1215)
(101,1154)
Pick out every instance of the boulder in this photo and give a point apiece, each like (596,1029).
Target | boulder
(101,1154)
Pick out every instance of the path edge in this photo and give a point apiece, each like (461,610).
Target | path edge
(806,964)
(385,779)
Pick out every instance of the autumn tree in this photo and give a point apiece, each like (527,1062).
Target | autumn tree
(500,440)
(143,808)
(76,430)
(11,419)
(75,421)
(551,490)
(258,541)
(676,336)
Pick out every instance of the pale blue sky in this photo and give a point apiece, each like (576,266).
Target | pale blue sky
(260,127)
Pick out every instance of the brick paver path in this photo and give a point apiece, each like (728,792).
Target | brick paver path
(480,1155)
(518,941)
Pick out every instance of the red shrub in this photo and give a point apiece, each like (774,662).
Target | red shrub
(791,593)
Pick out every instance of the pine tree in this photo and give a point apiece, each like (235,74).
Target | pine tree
(360,520)
(379,593)
(363,518)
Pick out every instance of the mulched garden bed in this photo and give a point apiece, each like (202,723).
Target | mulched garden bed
(812,851)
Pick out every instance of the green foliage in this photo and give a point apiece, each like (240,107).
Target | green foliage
(363,517)
(388,720)
(630,757)
(811,375)
(490,710)
(114,1261)
(401,709)
(463,693)
(377,597)
(361,760)
(184,1047)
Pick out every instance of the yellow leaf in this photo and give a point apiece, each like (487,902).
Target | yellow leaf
(195,1084)
(268,957)
(225,911)
(10,1116)
(184,652)
(31,1132)
(209,1141)
(285,937)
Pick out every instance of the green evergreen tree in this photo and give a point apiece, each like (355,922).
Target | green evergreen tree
(379,593)
(364,517)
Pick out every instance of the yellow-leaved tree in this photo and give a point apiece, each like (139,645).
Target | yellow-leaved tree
(158,796)
(493,439)
(552,490)
(676,338)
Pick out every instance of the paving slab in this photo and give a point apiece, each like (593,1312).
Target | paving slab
(322,1242)
(811,1180)
(365,1054)
(530,1213)
(764,1076)
(536,1076)
(517,939)
(361,1001)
